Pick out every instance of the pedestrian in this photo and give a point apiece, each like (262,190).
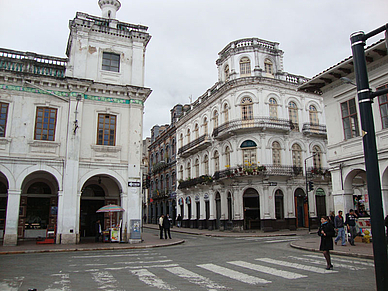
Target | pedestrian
(326,232)
(179,220)
(98,230)
(350,223)
(331,217)
(166,227)
(145,218)
(339,226)
(161,218)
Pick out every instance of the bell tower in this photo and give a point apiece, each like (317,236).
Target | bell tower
(109,8)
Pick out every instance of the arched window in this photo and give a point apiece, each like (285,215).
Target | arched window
(215,119)
(226,71)
(227,156)
(296,155)
(216,161)
(167,182)
(156,158)
(205,126)
(273,108)
(188,170)
(313,113)
(181,173)
(206,165)
(276,156)
(247,108)
(196,131)
(245,67)
(293,115)
(161,155)
(279,204)
(173,147)
(268,66)
(249,152)
(181,140)
(226,112)
(173,178)
(317,157)
(196,166)
(188,136)
(161,182)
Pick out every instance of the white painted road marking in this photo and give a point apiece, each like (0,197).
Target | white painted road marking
(196,279)
(348,261)
(268,270)
(105,281)
(151,280)
(296,266)
(234,274)
(62,285)
(322,262)
(11,284)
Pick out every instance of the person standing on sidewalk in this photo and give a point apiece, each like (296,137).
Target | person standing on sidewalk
(166,227)
(326,232)
(98,230)
(339,226)
(179,220)
(161,218)
(351,226)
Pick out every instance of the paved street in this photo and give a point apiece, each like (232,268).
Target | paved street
(202,263)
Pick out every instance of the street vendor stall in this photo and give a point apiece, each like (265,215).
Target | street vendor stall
(113,233)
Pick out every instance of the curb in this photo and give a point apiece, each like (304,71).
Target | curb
(370,257)
(90,249)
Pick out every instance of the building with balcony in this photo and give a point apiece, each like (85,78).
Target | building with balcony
(162,165)
(71,132)
(243,146)
(345,152)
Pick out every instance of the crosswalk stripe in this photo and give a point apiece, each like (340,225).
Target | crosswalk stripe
(195,278)
(141,267)
(62,285)
(320,262)
(151,280)
(296,266)
(348,261)
(268,270)
(105,280)
(143,262)
(121,255)
(11,284)
(233,274)
(279,240)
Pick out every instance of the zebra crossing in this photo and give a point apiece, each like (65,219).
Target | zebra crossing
(273,239)
(160,273)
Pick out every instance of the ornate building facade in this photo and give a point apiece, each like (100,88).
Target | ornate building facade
(248,146)
(71,131)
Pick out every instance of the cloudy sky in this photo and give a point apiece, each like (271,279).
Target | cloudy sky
(188,34)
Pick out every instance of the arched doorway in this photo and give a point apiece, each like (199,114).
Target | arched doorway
(301,208)
(3,203)
(320,202)
(218,210)
(251,209)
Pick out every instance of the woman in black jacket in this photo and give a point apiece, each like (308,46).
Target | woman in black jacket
(326,232)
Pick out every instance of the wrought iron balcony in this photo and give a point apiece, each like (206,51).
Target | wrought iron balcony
(261,123)
(314,129)
(195,181)
(196,145)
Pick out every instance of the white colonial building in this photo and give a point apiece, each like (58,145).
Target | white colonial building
(71,131)
(243,145)
(345,145)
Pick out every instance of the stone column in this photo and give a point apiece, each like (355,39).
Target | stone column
(266,198)
(12,218)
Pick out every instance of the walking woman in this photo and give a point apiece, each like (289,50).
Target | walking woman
(326,232)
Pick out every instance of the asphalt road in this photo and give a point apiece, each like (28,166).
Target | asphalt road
(202,263)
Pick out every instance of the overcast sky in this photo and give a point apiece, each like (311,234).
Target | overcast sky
(188,34)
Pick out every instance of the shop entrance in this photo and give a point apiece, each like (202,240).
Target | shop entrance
(218,210)
(251,209)
(92,199)
(3,206)
(320,201)
(301,208)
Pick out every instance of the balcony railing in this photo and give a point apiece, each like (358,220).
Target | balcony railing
(195,181)
(27,62)
(261,123)
(314,129)
(197,144)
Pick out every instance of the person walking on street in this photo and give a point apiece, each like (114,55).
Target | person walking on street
(331,217)
(326,232)
(350,223)
(98,230)
(166,227)
(339,226)
(179,220)
(161,219)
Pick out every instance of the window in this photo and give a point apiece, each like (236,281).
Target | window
(205,126)
(227,156)
(268,67)
(296,155)
(173,178)
(216,161)
(215,119)
(45,123)
(313,113)
(110,62)
(276,157)
(247,108)
(196,131)
(226,112)
(245,67)
(173,148)
(196,166)
(293,115)
(181,140)
(3,118)
(181,173)
(206,165)
(317,157)
(249,152)
(188,170)
(167,182)
(161,182)
(188,136)
(383,102)
(273,108)
(279,205)
(349,119)
(226,71)
(107,130)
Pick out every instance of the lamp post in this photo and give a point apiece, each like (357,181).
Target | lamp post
(307,188)
(365,100)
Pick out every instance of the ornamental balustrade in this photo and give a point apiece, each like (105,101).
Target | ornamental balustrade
(195,181)
(202,140)
(267,170)
(314,129)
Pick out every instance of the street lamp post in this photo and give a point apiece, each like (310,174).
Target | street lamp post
(307,188)
(365,100)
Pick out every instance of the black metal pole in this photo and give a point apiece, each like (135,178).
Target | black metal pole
(371,161)
(307,190)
